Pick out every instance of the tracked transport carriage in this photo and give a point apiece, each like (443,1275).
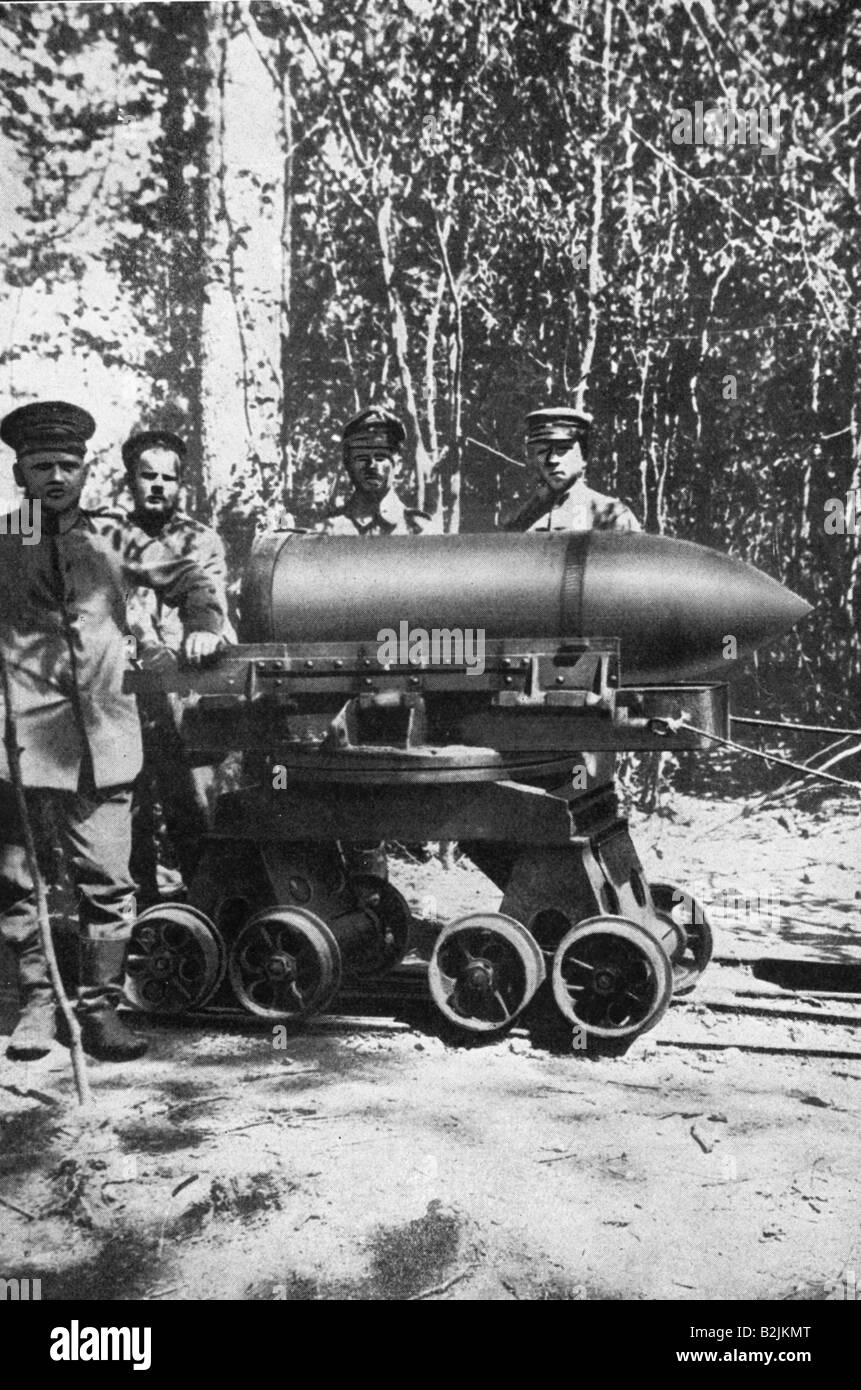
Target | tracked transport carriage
(474,688)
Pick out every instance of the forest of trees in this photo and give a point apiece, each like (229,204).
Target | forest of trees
(246,220)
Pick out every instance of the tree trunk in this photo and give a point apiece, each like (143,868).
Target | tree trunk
(245,275)
(224,428)
(285,298)
(595,277)
(398,327)
(179,42)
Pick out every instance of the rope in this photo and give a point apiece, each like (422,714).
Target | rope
(766,757)
(489,450)
(807,728)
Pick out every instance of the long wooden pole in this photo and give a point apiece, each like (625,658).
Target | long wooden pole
(13,753)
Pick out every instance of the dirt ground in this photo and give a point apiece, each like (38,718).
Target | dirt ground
(381,1162)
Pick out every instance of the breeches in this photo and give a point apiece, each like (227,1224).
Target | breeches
(167,778)
(94,830)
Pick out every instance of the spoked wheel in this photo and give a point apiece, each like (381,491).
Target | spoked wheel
(484,970)
(389,920)
(685,913)
(611,977)
(175,961)
(285,964)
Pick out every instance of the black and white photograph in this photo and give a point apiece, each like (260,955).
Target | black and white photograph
(430,662)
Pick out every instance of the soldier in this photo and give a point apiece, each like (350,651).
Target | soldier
(373,449)
(557,443)
(153,463)
(62,625)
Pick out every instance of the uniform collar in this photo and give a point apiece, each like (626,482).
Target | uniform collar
(60,524)
(389,511)
(153,527)
(577,492)
(564,505)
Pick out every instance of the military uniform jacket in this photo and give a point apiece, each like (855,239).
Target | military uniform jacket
(151,620)
(62,626)
(390,518)
(579,509)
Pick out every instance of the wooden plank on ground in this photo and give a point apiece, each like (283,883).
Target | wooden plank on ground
(827,948)
(718,1032)
(788,1050)
(791,1007)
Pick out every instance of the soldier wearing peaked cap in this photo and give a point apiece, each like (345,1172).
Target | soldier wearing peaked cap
(373,448)
(63,639)
(31,429)
(153,462)
(557,444)
(137,444)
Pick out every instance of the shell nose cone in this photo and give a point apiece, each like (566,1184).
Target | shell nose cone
(761,608)
(688,600)
(797,608)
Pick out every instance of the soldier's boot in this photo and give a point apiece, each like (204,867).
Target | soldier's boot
(106,1037)
(36,1029)
(104,1034)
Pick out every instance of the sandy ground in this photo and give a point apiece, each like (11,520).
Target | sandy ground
(382,1162)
